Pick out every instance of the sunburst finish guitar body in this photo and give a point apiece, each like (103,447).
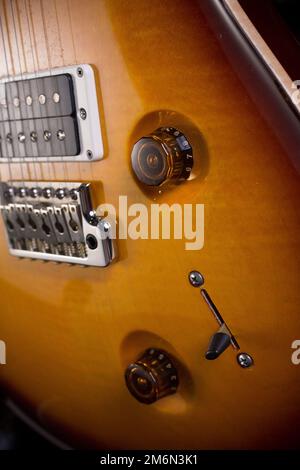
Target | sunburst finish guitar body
(71,332)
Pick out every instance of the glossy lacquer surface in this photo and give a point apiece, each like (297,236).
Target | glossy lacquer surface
(71,332)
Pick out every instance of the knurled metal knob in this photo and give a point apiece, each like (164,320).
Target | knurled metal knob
(152,377)
(161,157)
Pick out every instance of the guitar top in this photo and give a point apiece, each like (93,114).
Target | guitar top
(140,142)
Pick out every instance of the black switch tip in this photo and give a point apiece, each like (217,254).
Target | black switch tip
(217,345)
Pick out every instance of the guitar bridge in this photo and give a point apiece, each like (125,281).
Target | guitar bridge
(55,222)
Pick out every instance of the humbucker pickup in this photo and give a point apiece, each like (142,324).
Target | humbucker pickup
(55,222)
(50,116)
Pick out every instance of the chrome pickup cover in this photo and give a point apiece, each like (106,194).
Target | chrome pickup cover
(50,116)
(55,222)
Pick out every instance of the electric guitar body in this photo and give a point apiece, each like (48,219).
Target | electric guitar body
(72,330)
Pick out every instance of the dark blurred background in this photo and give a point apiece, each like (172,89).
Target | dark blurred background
(14,434)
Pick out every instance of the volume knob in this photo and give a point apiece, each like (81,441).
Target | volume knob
(152,376)
(163,156)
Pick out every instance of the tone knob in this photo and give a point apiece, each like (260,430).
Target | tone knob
(163,156)
(152,376)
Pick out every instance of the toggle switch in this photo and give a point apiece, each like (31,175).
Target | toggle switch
(219,342)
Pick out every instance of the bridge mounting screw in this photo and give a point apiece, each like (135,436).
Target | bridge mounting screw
(82,113)
(244,360)
(79,72)
(196,279)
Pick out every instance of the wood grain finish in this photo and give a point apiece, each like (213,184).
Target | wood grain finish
(70,331)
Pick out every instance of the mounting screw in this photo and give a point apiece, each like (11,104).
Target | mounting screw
(105,225)
(73,194)
(60,193)
(196,279)
(89,154)
(79,72)
(82,113)
(244,360)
